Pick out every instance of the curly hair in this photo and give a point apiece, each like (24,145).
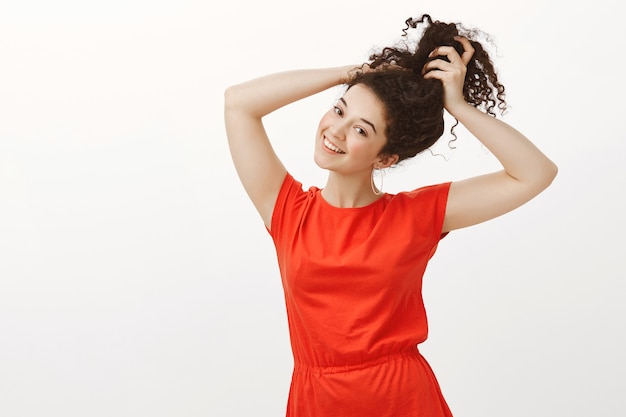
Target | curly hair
(413,104)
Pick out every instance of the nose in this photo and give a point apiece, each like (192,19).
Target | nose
(338,131)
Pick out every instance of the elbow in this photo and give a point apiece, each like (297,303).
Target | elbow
(553,170)
(230,95)
(237,101)
(235,96)
(549,173)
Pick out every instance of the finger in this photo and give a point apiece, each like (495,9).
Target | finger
(468,49)
(437,64)
(438,75)
(447,51)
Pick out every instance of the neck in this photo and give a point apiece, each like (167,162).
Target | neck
(348,191)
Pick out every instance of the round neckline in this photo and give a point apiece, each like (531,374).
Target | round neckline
(374,203)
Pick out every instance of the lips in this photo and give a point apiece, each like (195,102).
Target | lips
(331,146)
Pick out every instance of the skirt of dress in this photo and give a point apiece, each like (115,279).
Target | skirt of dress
(400,385)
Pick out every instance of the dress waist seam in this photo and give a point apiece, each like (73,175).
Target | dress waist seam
(335,369)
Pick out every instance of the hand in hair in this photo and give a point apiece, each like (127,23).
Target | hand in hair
(450,71)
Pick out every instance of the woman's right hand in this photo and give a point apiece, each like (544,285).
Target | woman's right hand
(451,74)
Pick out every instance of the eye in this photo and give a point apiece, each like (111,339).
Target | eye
(361,131)
(337,110)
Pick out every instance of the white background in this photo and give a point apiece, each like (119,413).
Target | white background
(136,279)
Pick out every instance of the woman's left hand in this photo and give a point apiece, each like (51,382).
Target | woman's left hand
(451,74)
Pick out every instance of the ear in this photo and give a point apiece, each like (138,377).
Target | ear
(385,161)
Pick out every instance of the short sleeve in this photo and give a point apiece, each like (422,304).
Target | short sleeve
(285,215)
(425,210)
(432,205)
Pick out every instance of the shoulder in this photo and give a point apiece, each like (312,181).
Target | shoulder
(421,210)
(434,193)
(292,199)
(293,190)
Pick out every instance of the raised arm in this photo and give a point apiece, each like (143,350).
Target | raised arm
(258,167)
(527,171)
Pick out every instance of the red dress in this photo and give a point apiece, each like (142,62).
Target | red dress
(352,279)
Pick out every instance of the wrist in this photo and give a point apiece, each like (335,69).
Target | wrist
(348,72)
(459,109)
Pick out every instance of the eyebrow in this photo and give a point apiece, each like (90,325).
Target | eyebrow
(364,120)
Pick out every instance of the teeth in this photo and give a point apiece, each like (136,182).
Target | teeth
(332,147)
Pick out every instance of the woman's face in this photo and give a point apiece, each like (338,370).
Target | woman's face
(351,134)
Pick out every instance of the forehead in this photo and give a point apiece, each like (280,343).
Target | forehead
(362,101)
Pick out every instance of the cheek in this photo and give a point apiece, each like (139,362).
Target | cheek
(324,121)
(362,147)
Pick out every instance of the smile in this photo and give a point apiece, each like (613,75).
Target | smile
(331,146)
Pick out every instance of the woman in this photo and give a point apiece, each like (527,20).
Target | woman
(352,257)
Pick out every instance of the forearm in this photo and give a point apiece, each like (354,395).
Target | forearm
(261,96)
(521,159)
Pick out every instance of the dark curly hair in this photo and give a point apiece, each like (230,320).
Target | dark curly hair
(413,104)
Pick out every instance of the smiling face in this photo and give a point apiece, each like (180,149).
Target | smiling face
(351,134)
